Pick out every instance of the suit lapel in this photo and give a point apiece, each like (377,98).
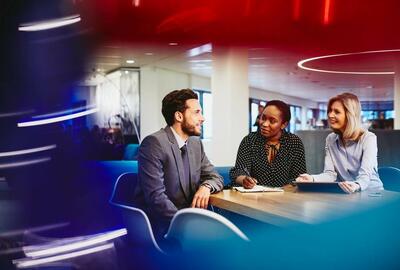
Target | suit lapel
(179,163)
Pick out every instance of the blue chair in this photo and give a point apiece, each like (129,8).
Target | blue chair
(390,177)
(224,172)
(138,226)
(198,229)
(124,188)
(131,152)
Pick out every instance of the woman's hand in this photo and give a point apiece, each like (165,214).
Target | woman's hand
(349,187)
(249,182)
(305,178)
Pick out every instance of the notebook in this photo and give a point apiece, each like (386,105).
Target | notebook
(258,188)
(319,186)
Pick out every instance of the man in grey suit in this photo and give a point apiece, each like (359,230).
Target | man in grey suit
(174,172)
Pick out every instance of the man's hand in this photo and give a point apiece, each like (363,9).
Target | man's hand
(349,187)
(200,199)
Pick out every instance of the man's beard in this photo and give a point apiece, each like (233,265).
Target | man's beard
(190,130)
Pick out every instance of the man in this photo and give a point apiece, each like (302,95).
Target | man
(174,172)
(260,111)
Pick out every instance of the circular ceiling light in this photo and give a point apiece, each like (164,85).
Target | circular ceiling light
(301,63)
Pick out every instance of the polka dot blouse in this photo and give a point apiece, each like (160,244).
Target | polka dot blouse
(252,157)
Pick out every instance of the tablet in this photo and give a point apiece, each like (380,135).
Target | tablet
(319,187)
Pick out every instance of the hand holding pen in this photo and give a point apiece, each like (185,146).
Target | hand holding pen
(248,181)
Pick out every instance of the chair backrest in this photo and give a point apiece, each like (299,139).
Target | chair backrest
(224,172)
(131,151)
(196,229)
(124,188)
(136,221)
(390,177)
(138,227)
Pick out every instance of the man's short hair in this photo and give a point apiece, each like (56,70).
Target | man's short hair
(175,101)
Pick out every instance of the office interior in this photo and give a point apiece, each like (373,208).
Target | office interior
(82,84)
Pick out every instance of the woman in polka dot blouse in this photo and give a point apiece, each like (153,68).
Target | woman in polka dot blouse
(271,156)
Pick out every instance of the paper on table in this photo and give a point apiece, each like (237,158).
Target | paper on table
(258,188)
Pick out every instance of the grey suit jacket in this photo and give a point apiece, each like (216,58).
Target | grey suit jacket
(161,189)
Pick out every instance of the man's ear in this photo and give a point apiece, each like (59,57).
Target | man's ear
(178,116)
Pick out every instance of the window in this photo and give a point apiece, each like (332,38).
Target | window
(373,110)
(369,115)
(254,103)
(389,114)
(295,120)
(312,116)
(205,100)
(323,109)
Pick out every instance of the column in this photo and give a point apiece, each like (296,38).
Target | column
(230,91)
(151,118)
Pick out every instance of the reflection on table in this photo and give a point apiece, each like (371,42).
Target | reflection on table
(296,207)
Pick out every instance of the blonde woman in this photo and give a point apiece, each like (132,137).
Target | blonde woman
(350,151)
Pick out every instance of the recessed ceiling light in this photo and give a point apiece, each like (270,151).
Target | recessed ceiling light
(206,48)
(126,72)
(201,61)
(258,66)
(172,44)
(107,64)
(130,61)
(201,67)
(257,58)
(136,3)
(149,53)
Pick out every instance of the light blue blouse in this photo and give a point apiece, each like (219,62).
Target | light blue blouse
(357,161)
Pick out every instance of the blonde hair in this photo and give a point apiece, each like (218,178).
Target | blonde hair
(352,108)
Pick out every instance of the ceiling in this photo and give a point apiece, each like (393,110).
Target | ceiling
(277,34)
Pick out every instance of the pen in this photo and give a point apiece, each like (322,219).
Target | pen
(248,174)
(293,182)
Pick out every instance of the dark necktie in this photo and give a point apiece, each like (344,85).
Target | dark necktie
(186,167)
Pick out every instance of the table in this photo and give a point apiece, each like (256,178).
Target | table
(293,207)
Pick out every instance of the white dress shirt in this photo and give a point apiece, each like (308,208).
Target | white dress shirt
(181,143)
(178,138)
